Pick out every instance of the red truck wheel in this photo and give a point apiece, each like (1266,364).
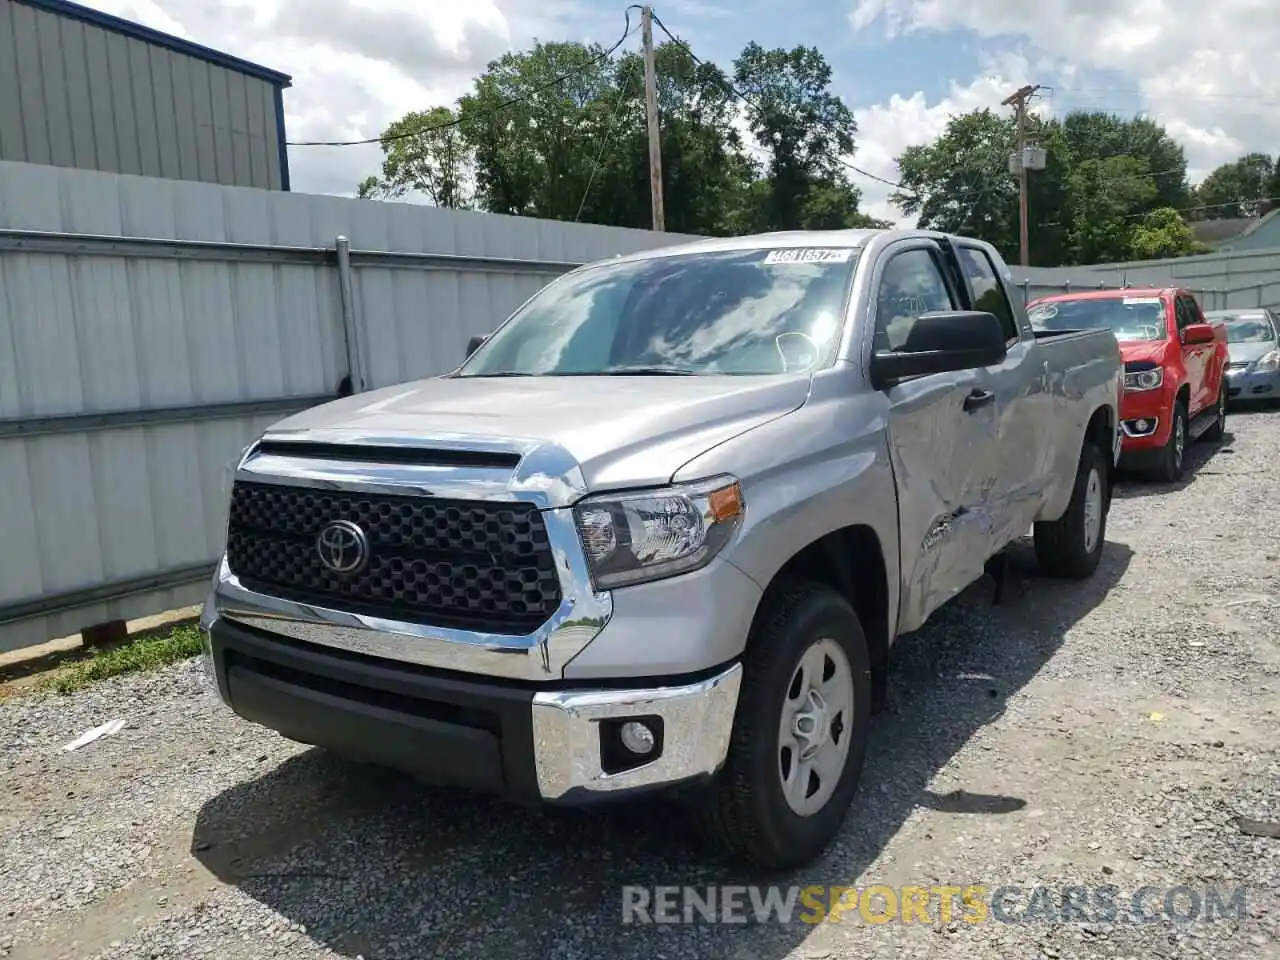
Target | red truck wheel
(1174,455)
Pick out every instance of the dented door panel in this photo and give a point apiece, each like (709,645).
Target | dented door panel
(941,454)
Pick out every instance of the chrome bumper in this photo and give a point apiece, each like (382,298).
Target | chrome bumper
(563,733)
(697,722)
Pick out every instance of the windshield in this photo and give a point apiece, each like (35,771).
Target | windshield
(1249,330)
(737,312)
(1129,318)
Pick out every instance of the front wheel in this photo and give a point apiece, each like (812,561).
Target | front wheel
(800,734)
(1071,546)
(1174,454)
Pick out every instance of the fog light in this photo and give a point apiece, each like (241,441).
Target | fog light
(1143,426)
(636,737)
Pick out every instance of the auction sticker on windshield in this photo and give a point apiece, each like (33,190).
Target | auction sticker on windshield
(1137,301)
(810,255)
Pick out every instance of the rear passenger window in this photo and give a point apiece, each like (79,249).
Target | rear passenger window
(988,293)
(911,284)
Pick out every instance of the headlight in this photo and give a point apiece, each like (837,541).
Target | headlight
(1269,361)
(1144,379)
(651,534)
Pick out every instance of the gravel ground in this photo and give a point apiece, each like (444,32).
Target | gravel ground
(1077,735)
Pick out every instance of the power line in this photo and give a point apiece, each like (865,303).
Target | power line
(1144,95)
(435,127)
(1196,208)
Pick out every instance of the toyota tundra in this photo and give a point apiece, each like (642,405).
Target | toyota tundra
(660,528)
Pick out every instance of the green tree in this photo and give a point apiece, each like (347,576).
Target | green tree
(961,183)
(424,152)
(529,120)
(1273,188)
(704,170)
(1106,194)
(559,132)
(1097,135)
(1163,233)
(578,149)
(1240,188)
(805,130)
(1102,176)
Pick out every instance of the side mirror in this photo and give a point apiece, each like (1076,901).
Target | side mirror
(942,342)
(474,344)
(1197,333)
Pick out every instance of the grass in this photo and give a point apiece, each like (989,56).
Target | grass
(133,656)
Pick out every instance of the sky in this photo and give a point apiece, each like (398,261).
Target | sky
(1205,70)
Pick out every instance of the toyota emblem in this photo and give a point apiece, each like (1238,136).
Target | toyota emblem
(343,547)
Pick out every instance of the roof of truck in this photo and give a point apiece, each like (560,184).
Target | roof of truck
(1109,293)
(785,239)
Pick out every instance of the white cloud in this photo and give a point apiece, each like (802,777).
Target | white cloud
(1205,70)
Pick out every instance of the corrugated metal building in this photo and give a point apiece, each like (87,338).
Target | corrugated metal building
(80,88)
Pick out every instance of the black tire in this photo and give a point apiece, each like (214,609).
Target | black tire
(1172,462)
(745,812)
(1219,429)
(1062,547)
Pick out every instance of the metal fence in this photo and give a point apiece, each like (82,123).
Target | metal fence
(153,328)
(1220,281)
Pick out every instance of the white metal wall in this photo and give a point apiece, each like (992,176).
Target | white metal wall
(1234,279)
(103,334)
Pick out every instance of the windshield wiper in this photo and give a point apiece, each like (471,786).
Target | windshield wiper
(653,371)
(637,371)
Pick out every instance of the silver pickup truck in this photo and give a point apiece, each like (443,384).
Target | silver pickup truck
(662,526)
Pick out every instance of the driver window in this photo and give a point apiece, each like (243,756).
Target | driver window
(911,284)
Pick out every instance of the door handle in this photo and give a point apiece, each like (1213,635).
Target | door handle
(977,399)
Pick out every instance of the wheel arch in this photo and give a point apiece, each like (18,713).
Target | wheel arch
(851,561)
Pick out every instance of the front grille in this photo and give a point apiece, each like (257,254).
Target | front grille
(451,563)
(1237,365)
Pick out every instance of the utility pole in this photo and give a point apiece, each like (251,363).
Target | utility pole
(1018,100)
(651,112)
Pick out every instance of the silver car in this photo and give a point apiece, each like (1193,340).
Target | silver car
(1253,344)
(662,527)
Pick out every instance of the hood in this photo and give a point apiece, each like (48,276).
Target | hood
(1249,352)
(621,431)
(1153,351)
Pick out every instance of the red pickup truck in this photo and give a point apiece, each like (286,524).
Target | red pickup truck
(1174,363)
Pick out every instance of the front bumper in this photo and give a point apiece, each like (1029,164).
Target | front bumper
(1253,385)
(1145,420)
(499,736)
